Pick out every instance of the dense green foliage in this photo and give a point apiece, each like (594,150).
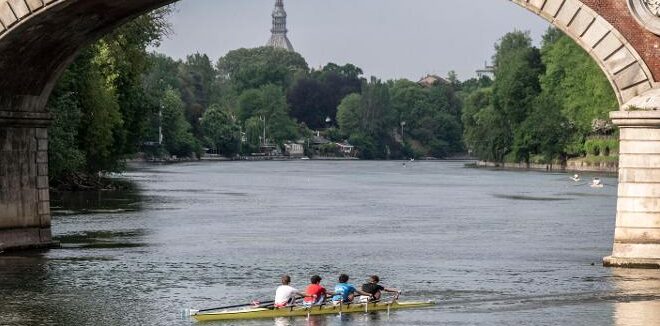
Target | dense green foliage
(99,104)
(315,98)
(115,97)
(543,102)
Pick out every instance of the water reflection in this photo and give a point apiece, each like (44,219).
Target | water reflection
(640,304)
(95,202)
(101,239)
(24,281)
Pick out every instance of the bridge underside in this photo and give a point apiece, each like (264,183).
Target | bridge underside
(40,38)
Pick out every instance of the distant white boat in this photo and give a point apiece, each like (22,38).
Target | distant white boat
(304,158)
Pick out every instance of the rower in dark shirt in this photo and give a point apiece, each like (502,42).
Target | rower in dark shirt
(375,289)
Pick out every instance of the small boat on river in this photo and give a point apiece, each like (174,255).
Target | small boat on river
(302,311)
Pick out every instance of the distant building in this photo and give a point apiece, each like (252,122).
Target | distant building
(294,150)
(346,149)
(487,71)
(319,140)
(278,38)
(432,80)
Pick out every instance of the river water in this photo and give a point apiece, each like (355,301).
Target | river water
(491,247)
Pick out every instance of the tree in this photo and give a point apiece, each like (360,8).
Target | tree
(253,68)
(485,132)
(310,103)
(576,84)
(221,131)
(197,80)
(64,156)
(101,125)
(518,68)
(268,103)
(316,97)
(122,60)
(177,136)
(545,131)
(101,106)
(349,113)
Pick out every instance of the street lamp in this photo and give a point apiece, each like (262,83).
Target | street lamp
(160,125)
(263,118)
(403,124)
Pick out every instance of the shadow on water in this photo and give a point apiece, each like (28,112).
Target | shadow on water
(95,202)
(25,287)
(101,239)
(529,198)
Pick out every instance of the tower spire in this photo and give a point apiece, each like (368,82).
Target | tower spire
(278,38)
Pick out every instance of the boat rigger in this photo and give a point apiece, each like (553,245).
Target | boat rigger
(302,311)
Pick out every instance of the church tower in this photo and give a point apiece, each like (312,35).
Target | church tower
(279,38)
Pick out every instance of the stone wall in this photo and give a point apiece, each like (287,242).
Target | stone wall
(24,198)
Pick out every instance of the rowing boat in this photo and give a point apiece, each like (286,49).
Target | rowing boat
(299,311)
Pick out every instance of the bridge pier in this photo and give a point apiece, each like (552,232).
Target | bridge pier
(24,197)
(637,235)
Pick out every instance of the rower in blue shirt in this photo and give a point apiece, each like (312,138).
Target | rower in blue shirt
(345,292)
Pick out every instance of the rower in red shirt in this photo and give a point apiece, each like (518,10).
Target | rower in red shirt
(316,293)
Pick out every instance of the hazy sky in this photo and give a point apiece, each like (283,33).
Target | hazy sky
(386,38)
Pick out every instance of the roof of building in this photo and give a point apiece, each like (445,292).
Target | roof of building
(432,80)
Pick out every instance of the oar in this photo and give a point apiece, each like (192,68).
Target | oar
(191,312)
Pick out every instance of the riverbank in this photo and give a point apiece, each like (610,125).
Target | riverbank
(571,166)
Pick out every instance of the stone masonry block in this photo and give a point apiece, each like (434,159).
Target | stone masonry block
(639,147)
(536,4)
(638,220)
(42,157)
(42,169)
(630,93)
(41,133)
(44,207)
(639,190)
(551,9)
(42,182)
(44,220)
(633,175)
(637,235)
(619,60)
(644,161)
(607,46)
(567,12)
(596,32)
(44,194)
(20,8)
(581,22)
(640,134)
(34,5)
(42,144)
(7,17)
(638,205)
(630,76)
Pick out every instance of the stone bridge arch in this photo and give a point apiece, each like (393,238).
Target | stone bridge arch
(40,38)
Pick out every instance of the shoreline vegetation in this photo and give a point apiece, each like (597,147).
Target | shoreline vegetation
(118,100)
(563,168)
